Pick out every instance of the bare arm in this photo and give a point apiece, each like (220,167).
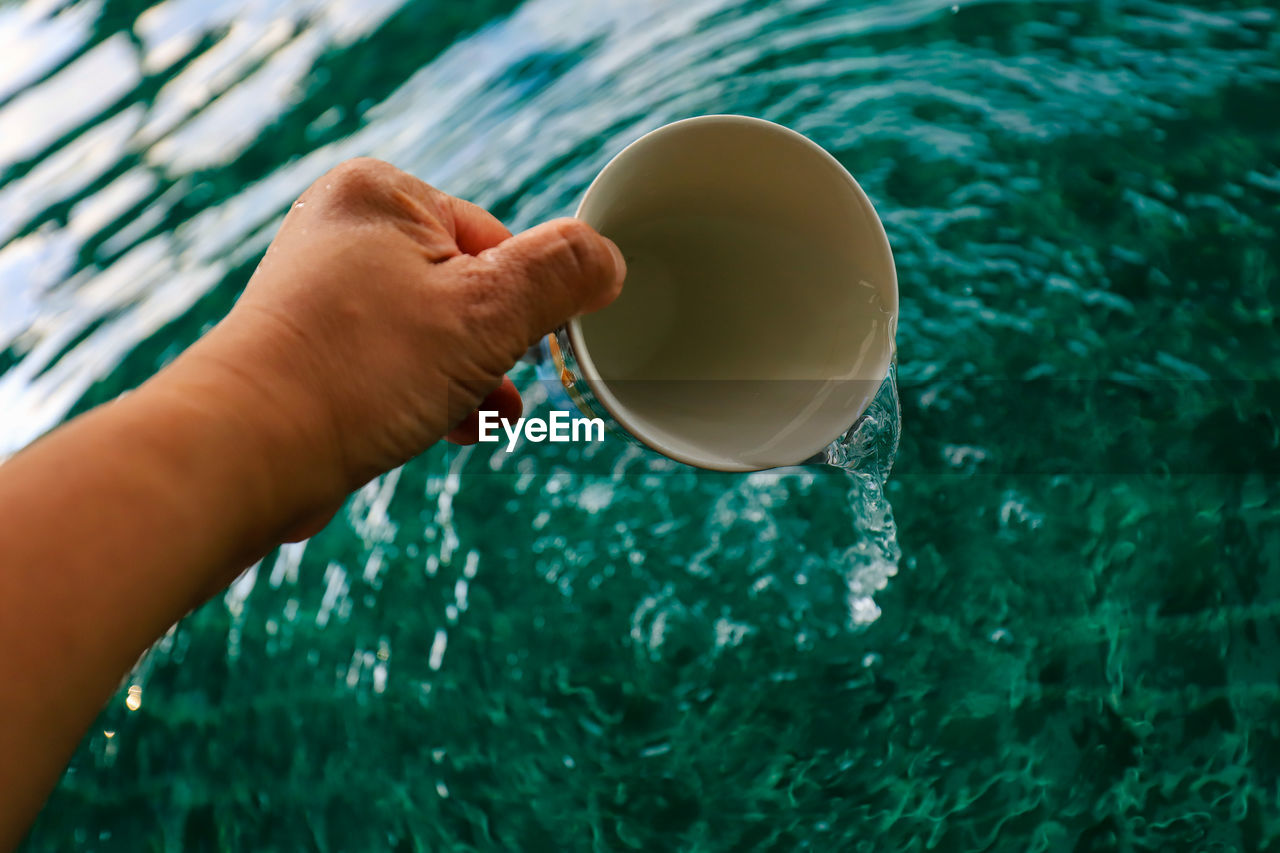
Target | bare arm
(384,314)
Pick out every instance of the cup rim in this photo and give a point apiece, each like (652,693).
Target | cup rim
(600,389)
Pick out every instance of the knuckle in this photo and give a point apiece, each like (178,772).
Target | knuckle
(373,191)
(360,180)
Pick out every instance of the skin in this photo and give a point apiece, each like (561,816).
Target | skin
(383,316)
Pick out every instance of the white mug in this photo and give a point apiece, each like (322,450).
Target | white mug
(758,318)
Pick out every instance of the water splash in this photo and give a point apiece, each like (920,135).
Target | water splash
(863,557)
(871,444)
(866,453)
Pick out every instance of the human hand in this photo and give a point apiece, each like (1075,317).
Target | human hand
(384,313)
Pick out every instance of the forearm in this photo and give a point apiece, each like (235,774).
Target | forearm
(387,312)
(111,529)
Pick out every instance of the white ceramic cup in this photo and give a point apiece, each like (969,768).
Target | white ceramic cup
(759,314)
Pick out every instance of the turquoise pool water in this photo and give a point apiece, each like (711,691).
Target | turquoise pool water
(1059,632)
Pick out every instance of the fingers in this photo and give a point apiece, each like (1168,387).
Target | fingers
(539,278)
(475,228)
(375,190)
(505,400)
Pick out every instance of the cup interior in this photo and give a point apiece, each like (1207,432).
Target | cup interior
(759,313)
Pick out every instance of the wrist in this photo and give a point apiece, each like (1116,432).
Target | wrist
(274,436)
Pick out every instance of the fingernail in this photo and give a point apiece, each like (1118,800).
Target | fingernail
(619,263)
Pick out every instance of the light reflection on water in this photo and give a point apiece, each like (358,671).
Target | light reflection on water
(470,125)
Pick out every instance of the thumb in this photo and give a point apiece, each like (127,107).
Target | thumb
(542,277)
